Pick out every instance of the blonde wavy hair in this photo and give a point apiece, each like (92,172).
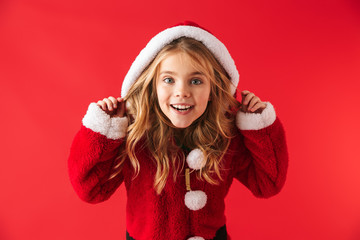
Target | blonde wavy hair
(211,132)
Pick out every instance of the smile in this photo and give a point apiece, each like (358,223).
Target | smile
(181,108)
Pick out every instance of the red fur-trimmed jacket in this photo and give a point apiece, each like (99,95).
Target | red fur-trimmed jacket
(257,157)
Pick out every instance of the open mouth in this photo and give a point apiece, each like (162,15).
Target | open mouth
(181,108)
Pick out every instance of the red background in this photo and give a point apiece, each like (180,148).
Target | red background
(58,56)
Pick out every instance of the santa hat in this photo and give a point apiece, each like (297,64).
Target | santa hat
(186,29)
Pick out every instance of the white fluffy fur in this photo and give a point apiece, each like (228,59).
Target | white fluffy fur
(196,238)
(195,200)
(196,159)
(256,121)
(98,121)
(168,35)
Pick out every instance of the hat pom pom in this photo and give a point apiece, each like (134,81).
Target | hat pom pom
(196,159)
(195,200)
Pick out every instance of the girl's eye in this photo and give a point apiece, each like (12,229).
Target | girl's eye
(196,81)
(168,80)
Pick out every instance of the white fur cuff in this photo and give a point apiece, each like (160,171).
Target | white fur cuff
(256,121)
(98,121)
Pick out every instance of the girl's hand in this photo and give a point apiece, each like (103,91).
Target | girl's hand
(115,107)
(251,103)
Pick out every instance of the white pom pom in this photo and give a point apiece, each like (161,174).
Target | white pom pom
(196,238)
(196,159)
(195,200)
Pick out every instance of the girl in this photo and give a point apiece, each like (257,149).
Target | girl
(177,138)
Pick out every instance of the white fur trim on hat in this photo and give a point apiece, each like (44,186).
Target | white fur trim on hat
(167,36)
(256,121)
(99,121)
(195,200)
(196,238)
(196,159)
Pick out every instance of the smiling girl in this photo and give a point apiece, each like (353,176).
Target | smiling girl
(177,138)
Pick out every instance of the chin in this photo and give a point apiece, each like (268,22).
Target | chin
(181,125)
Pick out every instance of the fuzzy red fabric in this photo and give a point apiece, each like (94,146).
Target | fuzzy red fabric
(257,158)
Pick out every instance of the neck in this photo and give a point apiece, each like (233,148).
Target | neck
(180,139)
(179,135)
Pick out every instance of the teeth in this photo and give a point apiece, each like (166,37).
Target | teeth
(181,107)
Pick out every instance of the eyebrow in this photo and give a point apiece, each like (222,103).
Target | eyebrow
(174,73)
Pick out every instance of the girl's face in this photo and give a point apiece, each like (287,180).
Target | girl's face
(183,92)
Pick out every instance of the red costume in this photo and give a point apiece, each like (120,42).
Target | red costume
(257,157)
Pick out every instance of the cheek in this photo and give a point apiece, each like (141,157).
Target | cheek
(205,100)
(161,96)
(205,96)
(203,103)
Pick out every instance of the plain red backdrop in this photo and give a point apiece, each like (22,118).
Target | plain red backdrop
(58,56)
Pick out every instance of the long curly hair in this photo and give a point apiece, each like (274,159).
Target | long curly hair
(211,132)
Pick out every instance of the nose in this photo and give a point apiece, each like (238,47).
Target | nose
(182,90)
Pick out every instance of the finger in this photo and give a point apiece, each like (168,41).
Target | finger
(245,92)
(114,101)
(109,104)
(122,100)
(102,104)
(119,100)
(253,101)
(242,106)
(243,95)
(258,106)
(121,109)
(247,99)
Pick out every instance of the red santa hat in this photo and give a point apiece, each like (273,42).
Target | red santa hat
(186,29)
